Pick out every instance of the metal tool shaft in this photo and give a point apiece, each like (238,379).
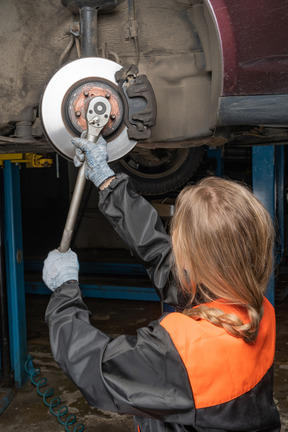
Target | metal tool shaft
(97,116)
(73,211)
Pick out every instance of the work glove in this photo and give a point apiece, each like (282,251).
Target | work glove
(60,267)
(95,157)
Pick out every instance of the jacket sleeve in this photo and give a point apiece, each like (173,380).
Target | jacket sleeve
(141,375)
(139,225)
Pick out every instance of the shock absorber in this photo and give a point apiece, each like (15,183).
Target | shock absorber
(88,21)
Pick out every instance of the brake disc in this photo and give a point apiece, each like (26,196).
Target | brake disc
(65,101)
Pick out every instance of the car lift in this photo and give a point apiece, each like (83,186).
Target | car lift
(268,186)
(13,261)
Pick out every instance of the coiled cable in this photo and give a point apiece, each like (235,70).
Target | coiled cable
(55,402)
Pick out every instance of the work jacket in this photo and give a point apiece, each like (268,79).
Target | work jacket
(177,374)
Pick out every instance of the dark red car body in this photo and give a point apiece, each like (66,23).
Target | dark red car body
(254,42)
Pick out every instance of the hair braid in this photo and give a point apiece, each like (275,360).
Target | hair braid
(229,322)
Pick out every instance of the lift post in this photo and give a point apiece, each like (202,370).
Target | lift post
(15,273)
(268,187)
(14,264)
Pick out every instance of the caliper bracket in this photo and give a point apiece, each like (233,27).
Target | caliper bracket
(138,93)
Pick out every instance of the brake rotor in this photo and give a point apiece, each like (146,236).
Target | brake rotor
(65,100)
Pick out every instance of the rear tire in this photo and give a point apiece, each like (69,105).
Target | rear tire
(159,171)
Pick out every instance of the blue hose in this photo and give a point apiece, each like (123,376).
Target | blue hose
(55,402)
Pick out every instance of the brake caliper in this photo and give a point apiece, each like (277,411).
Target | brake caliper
(138,93)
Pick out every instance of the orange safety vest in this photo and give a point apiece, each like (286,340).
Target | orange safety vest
(221,367)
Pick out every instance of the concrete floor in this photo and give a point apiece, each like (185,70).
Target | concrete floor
(27,410)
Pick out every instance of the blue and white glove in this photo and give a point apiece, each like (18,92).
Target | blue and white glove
(60,267)
(95,157)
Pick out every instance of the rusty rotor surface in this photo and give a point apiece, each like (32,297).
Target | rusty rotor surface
(66,97)
(78,101)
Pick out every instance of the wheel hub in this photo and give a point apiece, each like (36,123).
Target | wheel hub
(77,100)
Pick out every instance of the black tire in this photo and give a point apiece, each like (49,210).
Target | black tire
(159,171)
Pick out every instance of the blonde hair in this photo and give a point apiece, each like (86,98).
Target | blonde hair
(223,240)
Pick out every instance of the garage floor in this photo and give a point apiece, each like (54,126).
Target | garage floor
(27,411)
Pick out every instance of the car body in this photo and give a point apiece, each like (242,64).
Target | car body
(218,69)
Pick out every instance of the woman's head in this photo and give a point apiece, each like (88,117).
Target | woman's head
(223,242)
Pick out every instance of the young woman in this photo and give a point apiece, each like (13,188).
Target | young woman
(206,367)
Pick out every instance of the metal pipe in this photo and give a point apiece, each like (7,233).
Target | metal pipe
(73,211)
(4,330)
(88,26)
(131,9)
(95,123)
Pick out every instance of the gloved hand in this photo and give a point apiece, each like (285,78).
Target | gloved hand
(95,156)
(60,267)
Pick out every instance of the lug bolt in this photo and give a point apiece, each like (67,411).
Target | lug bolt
(86,93)
(77,113)
(113,116)
(107,95)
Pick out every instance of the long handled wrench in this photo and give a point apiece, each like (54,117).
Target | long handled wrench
(97,116)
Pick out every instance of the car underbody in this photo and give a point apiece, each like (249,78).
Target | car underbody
(217,70)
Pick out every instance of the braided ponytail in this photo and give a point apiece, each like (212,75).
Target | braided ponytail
(230,322)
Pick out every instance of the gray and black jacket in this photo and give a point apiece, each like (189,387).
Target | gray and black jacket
(177,374)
